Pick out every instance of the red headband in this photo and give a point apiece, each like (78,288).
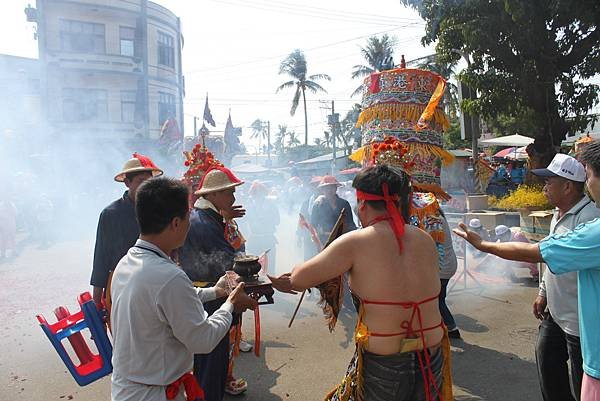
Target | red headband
(397,222)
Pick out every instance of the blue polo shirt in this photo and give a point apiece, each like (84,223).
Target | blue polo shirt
(579,250)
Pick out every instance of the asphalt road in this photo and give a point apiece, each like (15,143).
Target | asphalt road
(495,361)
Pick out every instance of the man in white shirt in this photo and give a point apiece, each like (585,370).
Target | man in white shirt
(556,304)
(158,321)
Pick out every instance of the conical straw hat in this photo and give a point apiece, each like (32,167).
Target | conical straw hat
(218,179)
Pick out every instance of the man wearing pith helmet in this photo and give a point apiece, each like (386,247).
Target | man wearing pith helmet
(208,252)
(117,227)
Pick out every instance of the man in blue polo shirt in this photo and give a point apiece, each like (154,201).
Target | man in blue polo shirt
(577,250)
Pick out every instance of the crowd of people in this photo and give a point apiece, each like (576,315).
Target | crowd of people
(162,262)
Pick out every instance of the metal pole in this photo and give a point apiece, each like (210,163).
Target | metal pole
(333,134)
(195,127)
(144,9)
(269,142)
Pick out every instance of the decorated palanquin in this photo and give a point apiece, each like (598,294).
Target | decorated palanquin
(198,162)
(402,105)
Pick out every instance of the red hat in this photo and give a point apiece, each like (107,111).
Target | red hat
(258,187)
(138,164)
(329,180)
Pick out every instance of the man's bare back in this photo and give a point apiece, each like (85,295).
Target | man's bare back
(378,271)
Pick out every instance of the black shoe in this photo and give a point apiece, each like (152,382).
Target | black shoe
(455,334)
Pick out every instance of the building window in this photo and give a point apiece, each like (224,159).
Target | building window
(128,106)
(82,37)
(166,51)
(127,36)
(84,105)
(166,107)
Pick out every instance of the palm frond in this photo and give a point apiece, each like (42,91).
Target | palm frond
(319,76)
(358,91)
(361,71)
(314,87)
(285,85)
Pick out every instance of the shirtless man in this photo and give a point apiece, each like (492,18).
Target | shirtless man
(391,265)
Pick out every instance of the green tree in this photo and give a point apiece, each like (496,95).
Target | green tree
(529,61)
(259,131)
(349,133)
(293,140)
(452,137)
(280,136)
(294,65)
(376,53)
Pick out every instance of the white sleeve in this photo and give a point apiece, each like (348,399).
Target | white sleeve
(179,305)
(207,294)
(542,290)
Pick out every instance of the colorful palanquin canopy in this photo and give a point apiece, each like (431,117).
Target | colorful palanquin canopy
(403,105)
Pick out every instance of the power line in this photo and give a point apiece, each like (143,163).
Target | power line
(279,57)
(321,13)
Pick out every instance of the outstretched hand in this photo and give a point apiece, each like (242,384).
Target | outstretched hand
(234,212)
(282,283)
(470,236)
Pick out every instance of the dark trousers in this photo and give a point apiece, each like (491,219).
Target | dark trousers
(554,347)
(398,377)
(444,311)
(211,369)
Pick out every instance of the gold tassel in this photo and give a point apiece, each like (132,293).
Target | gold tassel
(433,188)
(400,111)
(447,368)
(362,154)
(424,149)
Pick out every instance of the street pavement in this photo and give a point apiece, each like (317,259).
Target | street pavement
(494,361)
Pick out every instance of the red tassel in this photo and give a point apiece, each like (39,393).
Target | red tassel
(257,332)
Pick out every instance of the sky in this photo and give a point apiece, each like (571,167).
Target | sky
(233,49)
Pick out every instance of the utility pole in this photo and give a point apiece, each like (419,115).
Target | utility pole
(195,127)
(269,143)
(334,122)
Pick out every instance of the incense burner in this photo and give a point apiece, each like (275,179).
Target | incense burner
(247,267)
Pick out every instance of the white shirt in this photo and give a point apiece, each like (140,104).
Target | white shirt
(561,290)
(158,323)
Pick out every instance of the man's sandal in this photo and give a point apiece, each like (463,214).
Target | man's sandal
(236,386)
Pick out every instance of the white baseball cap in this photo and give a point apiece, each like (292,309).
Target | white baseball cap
(475,223)
(501,229)
(563,166)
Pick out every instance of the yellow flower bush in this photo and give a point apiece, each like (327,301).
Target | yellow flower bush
(524,197)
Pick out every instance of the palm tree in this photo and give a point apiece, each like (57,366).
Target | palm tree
(327,140)
(294,65)
(377,53)
(318,142)
(348,132)
(259,130)
(293,139)
(280,139)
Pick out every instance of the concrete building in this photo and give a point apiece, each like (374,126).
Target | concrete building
(109,69)
(20,108)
